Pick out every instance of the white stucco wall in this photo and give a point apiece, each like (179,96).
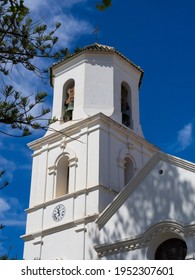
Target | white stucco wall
(158,198)
(169,196)
(96,172)
(98,78)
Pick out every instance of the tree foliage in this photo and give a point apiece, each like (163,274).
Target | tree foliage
(7,256)
(22,40)
(103,4)
(16,111)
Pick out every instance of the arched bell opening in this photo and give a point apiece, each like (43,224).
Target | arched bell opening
(68,97)
(126,105)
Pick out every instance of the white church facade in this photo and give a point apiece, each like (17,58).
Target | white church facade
(99,190)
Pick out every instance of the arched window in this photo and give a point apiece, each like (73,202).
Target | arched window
(129,170)
(126,105)
(62,183)
(68,100)
(171,249)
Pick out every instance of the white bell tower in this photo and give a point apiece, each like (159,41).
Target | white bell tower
(88,156)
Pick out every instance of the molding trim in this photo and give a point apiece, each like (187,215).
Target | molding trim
(143,240)
(70,195)
(75,131)
(47,231)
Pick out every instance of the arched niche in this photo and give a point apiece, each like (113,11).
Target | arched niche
(126,105)
(128,169)
(68,100)
(62,180)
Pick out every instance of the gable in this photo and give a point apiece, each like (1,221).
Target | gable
(163,191)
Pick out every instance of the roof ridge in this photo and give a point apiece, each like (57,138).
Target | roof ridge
(99,46)
(96,47)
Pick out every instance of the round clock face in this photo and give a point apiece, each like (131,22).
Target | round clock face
(58,213)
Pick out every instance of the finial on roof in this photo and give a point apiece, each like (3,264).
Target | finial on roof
(96,32)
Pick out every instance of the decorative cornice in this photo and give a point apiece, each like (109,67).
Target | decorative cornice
(143,240)
(51,230)
(74,132)
(70,195)
(137,179)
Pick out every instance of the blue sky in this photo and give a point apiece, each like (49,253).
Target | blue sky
(157,35)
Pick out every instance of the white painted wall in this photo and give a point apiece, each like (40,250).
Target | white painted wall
(96,173)
(159,197)
(98,78)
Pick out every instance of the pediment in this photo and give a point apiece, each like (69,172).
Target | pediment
(163,190)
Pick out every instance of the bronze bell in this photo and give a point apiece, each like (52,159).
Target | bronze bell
(68,111)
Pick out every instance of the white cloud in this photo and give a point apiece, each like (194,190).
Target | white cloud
(55,6)
(9,166)
(72,28)
(27,167)
(4,206)
(185,137)
(50,12)
(11,213)
(1,144)
(12,216)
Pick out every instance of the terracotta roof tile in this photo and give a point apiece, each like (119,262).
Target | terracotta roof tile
(99,48)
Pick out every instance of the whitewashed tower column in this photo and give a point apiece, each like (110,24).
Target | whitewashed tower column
(88,155)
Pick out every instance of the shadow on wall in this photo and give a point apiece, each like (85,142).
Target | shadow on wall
(163,195)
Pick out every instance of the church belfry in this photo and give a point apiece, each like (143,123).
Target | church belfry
(88,156)
(97,79)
